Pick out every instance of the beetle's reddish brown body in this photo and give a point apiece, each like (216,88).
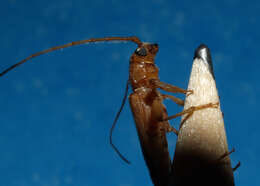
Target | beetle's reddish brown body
(148,111)
(146,104)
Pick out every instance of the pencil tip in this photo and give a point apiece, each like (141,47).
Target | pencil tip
(203,52)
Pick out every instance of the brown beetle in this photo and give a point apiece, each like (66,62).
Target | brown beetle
(146,102)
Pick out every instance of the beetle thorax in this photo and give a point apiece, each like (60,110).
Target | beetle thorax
(142,67)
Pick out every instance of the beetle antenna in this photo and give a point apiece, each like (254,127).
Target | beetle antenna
(114,124)
(133,39)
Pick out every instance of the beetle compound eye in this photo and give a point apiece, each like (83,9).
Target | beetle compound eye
(141,51)
(156,45)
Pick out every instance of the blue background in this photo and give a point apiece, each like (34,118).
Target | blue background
(56,110)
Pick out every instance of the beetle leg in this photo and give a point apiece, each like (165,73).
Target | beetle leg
(168,87)
(174,99)
(191,110)
(238,165)
(158,112)
(226,154)
(172,129)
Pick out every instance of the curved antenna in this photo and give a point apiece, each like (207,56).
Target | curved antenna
(114,124)
(133,39)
